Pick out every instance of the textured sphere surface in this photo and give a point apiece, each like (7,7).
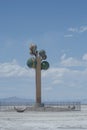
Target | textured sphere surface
(44,65)
(31,63)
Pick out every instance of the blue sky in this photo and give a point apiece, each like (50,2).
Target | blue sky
(57,26)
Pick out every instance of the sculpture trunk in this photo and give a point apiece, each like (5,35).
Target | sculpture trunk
(38,81)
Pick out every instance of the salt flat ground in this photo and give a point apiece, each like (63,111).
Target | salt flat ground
(75,120)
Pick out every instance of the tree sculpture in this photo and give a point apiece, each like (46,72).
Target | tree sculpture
(38,62)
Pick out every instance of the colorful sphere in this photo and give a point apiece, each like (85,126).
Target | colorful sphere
(42,53)
(44,65)
(31,63)
(33,49)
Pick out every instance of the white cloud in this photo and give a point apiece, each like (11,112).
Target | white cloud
(54,75)
(75,79)
(12,69)
(70,61)
(81,29)
(68,35)
(73,29)
(63,56)
(56,79)
(66,77)
(58,76)
(84,57)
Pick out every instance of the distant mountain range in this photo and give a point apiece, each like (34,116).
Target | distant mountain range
(17,100)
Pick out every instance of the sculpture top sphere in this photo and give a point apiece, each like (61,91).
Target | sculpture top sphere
(33,49)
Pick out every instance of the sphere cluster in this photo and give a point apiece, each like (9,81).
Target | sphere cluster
(32,62)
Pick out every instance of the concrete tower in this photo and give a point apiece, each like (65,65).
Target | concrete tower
(38,63)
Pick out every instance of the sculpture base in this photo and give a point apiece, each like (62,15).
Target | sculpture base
(39,105)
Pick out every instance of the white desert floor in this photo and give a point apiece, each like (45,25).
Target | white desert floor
(76,120)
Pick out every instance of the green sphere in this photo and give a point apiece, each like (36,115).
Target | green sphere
(42,53)
(31,63)
(44,65)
